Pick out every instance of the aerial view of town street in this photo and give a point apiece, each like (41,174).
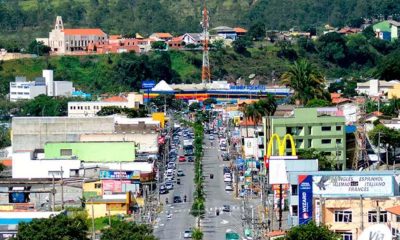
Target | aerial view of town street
(199,119)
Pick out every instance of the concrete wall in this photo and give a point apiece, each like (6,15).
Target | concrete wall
(147,142)
(25,167)
(30,133)
(93,151)
(63,88)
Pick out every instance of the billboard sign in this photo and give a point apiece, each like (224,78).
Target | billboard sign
(148,84)
(114,174)
(347,185)
(305,199)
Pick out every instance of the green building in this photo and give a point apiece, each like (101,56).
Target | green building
(91,151)
(318,128)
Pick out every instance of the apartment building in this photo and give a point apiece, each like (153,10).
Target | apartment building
(320,128)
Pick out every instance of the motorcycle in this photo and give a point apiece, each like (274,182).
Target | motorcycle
(184,198)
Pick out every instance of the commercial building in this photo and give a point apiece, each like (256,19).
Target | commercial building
(64,41)
(346,201)
(91,108)
(23,89)
(320,128)
(222,91)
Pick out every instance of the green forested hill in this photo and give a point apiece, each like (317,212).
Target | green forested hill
(22,20)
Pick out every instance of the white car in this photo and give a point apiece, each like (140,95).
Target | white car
(227,179)
(211,137)
(228,187)
(187,234)
(227,175)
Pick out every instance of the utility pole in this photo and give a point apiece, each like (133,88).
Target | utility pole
(280,206)
(62,189)
(93,229)
(53,192)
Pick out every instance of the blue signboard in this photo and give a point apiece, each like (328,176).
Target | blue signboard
(110,174)
(148,84)
(305,199)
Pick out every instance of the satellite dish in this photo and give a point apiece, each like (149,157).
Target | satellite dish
(252,75)
(379,231)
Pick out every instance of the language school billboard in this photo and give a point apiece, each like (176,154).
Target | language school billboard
(110,174)
(305,199)
(346,185)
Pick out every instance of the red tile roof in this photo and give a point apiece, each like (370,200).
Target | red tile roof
(276,233)
(336,95)
(240,30)
(394,210)
(115,37)
(84,31)
(340,100)
(115,99)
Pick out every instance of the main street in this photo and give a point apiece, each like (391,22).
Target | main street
(214,227)
(181,220)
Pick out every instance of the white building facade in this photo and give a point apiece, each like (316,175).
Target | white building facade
(90,109)
(22,89)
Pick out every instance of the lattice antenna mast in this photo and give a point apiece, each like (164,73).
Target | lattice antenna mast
(205,71)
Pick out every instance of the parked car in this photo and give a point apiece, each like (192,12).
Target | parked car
(163,189)
(190,158)
(169,185)
(228,187)
(227,179)
(211,137)
(187,234)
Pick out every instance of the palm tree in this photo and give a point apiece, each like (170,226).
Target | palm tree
(306,81)
(267,107)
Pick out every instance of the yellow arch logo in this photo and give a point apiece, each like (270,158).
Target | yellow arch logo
(281,145)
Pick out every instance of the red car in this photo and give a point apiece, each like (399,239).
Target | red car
(182,159)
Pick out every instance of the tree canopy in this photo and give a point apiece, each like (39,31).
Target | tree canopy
(310,231)
(60,227)
(123,230)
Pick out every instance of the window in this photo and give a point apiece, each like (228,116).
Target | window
(326,128)
(309,142)
(373,216)
(395,233)
(97,185)
(294,210)
(294,190)
(66,152)
(343,216)
(326,141)
(346,235)
(338,141)
(338,128)
(397,218)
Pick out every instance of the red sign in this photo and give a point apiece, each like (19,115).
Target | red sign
(266,161)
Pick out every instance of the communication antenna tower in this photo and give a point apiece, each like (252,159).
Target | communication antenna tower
(205,71)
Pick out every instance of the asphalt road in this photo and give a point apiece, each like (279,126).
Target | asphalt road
(215,227)
(167,229)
